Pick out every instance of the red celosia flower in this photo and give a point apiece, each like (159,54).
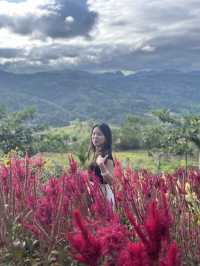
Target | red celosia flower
(173,256)
(133,254)
(137,228)
(52,188)
(73,165)
(85,248)
(31,202)
(156,229)
(44,211)
(157,225)
(113,237)
(119,196)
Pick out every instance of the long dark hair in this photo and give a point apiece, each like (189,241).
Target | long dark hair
(107,148)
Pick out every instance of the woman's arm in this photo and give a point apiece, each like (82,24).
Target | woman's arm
(106,167)
(108,173)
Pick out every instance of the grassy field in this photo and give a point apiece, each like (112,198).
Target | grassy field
(137,159)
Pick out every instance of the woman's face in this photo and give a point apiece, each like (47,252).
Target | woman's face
(98,138)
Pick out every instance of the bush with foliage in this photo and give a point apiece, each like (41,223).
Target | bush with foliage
(16,131)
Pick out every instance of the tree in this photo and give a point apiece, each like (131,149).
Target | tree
(82,151)
(155,142)
(183,132)
(16,131)
(130,134)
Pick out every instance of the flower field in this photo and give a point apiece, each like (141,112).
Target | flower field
(66,220)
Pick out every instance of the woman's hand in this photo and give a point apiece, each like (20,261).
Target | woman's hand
(101,160)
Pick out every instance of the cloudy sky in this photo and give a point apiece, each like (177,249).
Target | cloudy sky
(99,35)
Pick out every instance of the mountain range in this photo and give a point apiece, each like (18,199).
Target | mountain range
(64,96)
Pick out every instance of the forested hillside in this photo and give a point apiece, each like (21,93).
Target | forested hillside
(63,96)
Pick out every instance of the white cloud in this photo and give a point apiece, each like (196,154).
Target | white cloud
(69,19)
(128,34)
(24,8)
(53,19)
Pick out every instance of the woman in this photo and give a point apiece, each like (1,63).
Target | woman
(102,164)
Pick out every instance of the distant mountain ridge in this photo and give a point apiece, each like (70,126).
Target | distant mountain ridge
(63,96)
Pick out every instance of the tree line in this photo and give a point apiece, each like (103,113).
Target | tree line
(162,132)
